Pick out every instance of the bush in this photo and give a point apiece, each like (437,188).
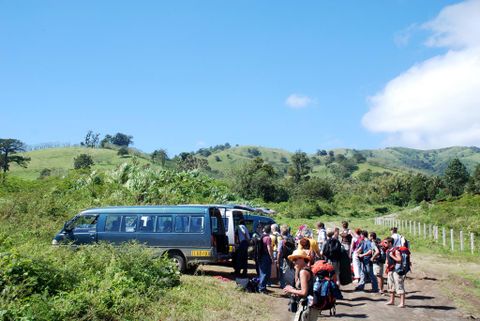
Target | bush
(123,151)
(82,161)
(98,282)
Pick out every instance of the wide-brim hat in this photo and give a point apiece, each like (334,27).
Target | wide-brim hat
(299,254)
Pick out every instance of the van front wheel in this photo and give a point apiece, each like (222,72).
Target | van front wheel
(179,262)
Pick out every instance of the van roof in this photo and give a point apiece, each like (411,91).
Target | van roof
(149,209)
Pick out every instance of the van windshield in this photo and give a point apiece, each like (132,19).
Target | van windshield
(82,222)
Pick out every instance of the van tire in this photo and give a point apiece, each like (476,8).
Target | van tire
(179,261)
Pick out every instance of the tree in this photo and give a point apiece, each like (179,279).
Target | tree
(122,140)
(188,162)
(82,161)
(8,148)
(91,140)
(456,177)
(255,179)
(300,167)
(123,151)
(474,183)
(316,188)
(254,152)
(105,141)
(159,156)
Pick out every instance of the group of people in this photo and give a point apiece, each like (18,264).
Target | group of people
(360,256)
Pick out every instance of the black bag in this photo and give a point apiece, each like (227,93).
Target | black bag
(288,247)
(333,249)
(292,304)
(259,247)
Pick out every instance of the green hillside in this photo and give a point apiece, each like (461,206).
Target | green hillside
(60,160)
(392,159)
(428,161)
(226,160)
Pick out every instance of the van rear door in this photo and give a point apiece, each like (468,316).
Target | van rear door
(219,238)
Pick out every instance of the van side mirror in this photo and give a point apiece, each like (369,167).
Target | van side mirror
(67,227)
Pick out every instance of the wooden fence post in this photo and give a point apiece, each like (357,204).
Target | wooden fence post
(444,236)
(414,228)
(424,230)
(419,229)
(472,247)
(461,241)
(451,238)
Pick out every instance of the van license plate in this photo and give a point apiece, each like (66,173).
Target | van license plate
(200,253)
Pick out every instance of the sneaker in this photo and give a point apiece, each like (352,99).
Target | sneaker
(358,288)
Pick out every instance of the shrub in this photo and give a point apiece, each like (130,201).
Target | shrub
(82,161)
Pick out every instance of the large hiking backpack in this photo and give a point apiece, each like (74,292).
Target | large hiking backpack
(382,257)
(325,294)
(333,249)
(404,266)
(288,247)
(259,247)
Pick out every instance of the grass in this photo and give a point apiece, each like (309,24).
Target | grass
(60,160)
(462,213)
(201,298)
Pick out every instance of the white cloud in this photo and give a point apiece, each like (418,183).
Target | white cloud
(299,101)
(402,38)
(436,103)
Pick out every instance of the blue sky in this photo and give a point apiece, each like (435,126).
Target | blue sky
(181,75)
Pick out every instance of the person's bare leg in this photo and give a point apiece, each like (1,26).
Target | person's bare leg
(392,299)
(380,283)
(402,301)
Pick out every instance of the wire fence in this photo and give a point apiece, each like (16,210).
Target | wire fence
(455,240)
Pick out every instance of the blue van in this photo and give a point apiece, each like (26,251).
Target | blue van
(190,235)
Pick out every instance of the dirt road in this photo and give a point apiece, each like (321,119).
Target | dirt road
(429,286)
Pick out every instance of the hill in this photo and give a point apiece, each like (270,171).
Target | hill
(222,162)
(433,161)
(60,160)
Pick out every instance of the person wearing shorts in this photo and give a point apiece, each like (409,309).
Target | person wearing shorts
(378,267)
(395,282)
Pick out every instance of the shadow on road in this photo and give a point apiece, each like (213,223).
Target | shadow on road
(420,297)
(349,304)
(364,298)
(347,315)
(432,307)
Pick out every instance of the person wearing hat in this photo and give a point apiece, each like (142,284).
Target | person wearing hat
(303,286)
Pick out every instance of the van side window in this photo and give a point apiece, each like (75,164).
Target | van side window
(164,224)
(112,223)
(147,222)
(197,224)
(181,223)
(129,223)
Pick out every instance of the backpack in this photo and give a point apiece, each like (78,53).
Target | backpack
(325,294)
(333,249)
(405,242)
(404,266)
(288,247)
(382,257)
(259,247)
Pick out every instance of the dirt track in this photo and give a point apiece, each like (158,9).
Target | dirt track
(427,296)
